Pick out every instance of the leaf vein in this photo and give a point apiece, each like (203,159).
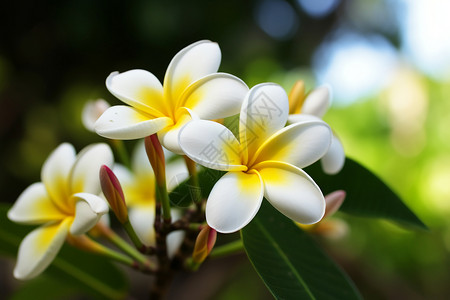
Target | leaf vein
(284,257)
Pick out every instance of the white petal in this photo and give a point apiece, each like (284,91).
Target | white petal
(333,161)
(34,206)
(317,102)
(299,144)
(234,201)
(139,89)
(92,110)
(105,220)
(169,135)
(126,123)
(190,64)
(88,211)
(55,175)
(298,118)
(211,144)
(39,248)
(142,218)
(291,191)
(85,172)
(215,96)
(264,112)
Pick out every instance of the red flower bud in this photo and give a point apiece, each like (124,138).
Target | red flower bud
(204,244)
(113,193)
(334,201)
(155,155)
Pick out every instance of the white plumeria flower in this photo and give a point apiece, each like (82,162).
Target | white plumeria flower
(266,162)
(65,202)
(92,110)
(192,88)
(139,190)
(315,104)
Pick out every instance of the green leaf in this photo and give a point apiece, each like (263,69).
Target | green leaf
(183,194)
(289,261)
(88,274)
(232,123)
(367,195)
(43,287)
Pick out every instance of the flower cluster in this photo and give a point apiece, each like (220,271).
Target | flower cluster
(264,158)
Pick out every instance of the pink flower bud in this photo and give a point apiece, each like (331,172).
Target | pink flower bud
(113,193)
(204,244)
(334,201)
(155,155)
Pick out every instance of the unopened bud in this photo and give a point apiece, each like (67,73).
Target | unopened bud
(296,97)
(113,193)
(204,244)
(333,202)
(155,155)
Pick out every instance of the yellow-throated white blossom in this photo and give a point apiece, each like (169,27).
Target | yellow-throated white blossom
(192,88)
(138,186)
(66,202)
(315,104)
(266,162)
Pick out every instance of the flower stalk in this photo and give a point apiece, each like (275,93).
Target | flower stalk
(83,242)
(134,237)
(227,249)
(114,238)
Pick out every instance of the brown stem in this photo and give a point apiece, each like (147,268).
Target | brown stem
(163,227)
(164,274)
(161,284)
(192,216)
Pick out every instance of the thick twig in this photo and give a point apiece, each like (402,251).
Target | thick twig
(164,274)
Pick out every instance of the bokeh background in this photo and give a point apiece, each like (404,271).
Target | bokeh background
(388,62)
